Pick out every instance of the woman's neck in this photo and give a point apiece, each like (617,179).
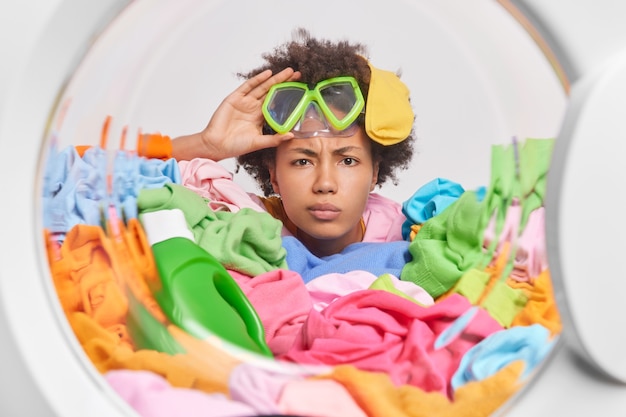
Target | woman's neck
(327,247)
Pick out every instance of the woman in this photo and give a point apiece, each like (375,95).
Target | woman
(319,128)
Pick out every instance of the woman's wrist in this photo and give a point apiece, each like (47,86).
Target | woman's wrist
(207,146)
(188,147)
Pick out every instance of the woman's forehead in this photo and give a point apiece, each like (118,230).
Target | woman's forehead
(359,142)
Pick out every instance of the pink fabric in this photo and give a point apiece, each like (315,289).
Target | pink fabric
(282,302)
(327,288)
(152,396)
(211,180)
(383,219)
(318,398)
(530,245)
(531,258)
(510,229)
(258,387)
(382,216)
(382,332)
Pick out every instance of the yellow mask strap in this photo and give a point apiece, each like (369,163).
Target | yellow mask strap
(388,115)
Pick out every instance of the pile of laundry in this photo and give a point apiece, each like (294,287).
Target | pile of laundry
(229,318)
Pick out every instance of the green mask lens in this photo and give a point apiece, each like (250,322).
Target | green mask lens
(339,99)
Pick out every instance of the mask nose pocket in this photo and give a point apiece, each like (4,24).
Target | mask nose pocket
(312,121)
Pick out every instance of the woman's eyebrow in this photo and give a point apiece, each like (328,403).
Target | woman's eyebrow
(305,151)
(339,151)
(347,149)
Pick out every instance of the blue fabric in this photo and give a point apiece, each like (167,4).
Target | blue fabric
(72,190)
(132,174)
(431,199)
(377,258)
(428,201)
(75,189)
(528,343)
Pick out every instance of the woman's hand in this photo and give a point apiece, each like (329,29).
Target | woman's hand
(236,126)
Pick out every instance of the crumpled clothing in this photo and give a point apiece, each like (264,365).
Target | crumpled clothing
(375,257)
(152,396)
(447,246)
(531,344)
(428,201)
(214,182)
(381,332)
(247,241)
(327,288)
(282,316)
(76,188)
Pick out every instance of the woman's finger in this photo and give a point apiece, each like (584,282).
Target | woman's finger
(252,83)
(261,90)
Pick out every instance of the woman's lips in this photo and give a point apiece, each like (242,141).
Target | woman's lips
(324,211)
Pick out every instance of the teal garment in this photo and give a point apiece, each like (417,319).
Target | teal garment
(530,344)
(428,201)
(246,241)
(447,246)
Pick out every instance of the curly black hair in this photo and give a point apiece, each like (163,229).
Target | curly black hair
(317,60)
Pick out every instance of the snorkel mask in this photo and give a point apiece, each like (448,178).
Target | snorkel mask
(332,108)
(329,109)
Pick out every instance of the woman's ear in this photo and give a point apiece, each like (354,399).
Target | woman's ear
(273,181)
(374,176)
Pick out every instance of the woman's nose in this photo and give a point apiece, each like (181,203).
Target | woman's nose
(325,182)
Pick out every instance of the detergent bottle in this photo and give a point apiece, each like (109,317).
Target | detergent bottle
(195,291)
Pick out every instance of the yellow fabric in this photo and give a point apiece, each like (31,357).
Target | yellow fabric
(377,396)
(415,229)
(541,307)
(388,115)
(108,351)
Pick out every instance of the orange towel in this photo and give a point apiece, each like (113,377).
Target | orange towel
(108,352)
(92,272)
(136,263)
(377,396)
(85,279)
(541,306)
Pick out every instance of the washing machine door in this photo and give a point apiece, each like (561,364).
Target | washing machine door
(584,201)
(44,372)
(585,221)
